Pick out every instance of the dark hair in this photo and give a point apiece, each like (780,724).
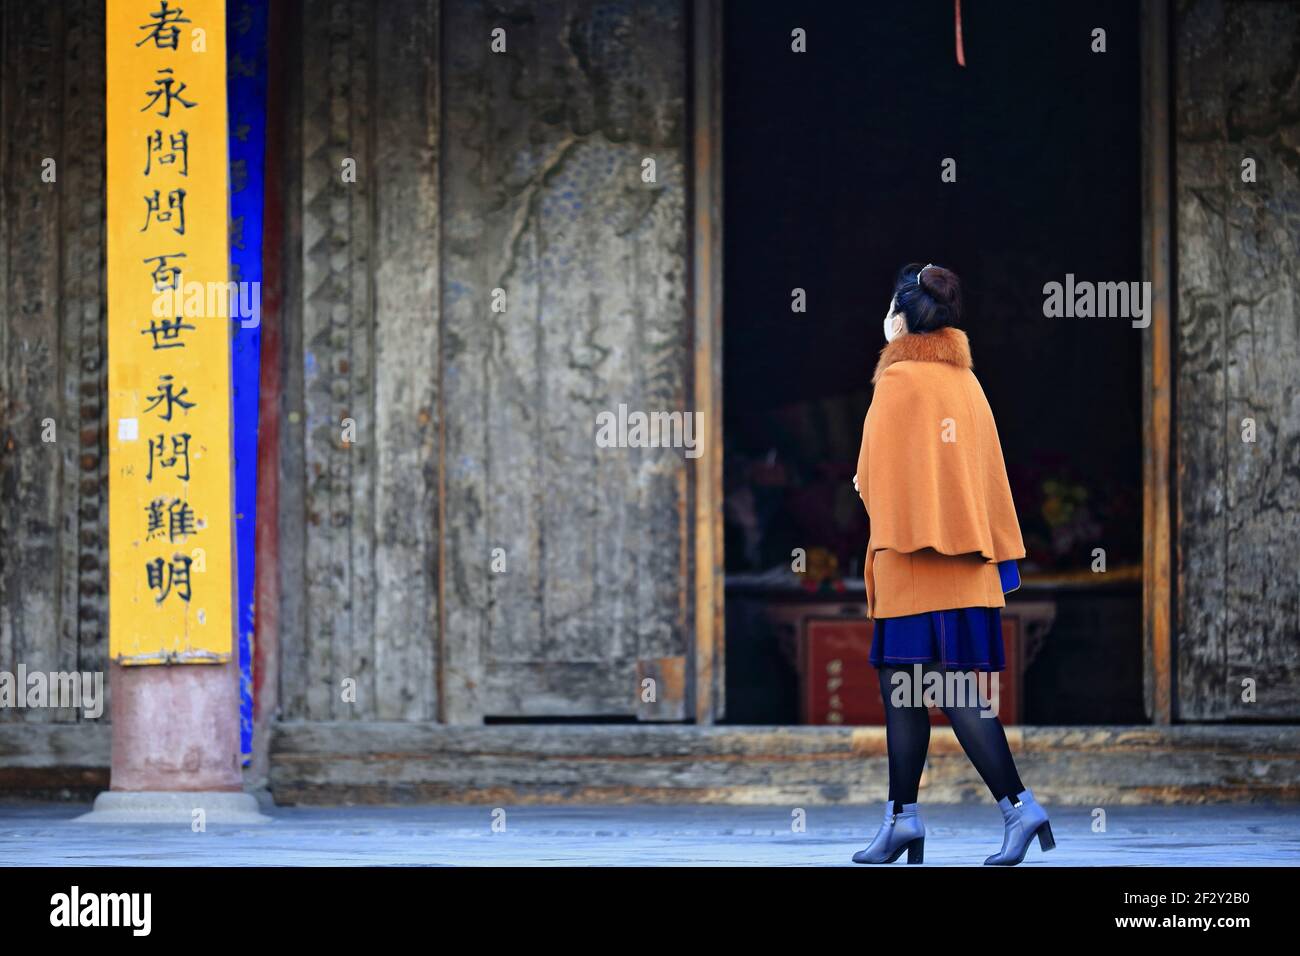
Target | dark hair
(930,301)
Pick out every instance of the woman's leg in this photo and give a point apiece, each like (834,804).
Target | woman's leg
(981,735)
(907,735)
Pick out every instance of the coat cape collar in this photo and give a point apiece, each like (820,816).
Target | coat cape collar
(943,345)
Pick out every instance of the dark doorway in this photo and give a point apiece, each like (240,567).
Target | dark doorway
(832,163)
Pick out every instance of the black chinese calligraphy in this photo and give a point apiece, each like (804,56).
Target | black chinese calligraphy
(170,519)
(169,398)
(163,29)
(163,577)
(172,151)
(167,332)
(179,459)
(165,276)
(164,82)
(153,210)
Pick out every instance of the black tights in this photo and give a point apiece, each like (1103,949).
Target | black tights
(907,732)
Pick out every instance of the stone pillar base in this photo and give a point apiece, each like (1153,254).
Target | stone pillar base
(174,807)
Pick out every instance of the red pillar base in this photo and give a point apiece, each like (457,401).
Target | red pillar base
(175,727)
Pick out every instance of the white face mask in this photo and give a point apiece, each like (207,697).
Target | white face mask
(895,324)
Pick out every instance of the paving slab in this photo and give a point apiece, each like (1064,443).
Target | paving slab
(652,835)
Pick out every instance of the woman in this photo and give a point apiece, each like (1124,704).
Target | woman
(942,552)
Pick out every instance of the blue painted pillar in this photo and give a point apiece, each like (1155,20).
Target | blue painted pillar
(246,86)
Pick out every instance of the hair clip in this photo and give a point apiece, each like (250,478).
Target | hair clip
(928,265)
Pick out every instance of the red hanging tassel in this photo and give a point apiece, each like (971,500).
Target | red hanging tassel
(961,52)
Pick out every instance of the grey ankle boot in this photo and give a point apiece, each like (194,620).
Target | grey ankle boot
(900,831)
(1023,820)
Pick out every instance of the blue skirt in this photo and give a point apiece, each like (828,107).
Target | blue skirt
(968,638)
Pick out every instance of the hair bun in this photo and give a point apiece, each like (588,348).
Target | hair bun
(929,296)
(941,284)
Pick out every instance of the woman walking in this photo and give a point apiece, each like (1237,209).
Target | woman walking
(942,553)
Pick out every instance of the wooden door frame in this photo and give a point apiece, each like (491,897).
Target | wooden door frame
(709,650)
(1158,516)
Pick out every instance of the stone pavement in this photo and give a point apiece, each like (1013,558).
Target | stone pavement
(683,835)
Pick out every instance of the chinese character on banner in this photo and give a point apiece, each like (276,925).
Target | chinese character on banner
(171,562)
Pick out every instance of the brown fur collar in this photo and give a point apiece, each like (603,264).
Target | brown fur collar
(944,345)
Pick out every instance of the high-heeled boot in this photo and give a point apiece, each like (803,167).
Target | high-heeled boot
(1023,820)
(900,831)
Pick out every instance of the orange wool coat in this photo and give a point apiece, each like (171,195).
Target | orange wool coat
(932,478)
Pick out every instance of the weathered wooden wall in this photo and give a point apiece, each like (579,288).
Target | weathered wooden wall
(53,496)
(477,171)
(544,199)
(1237,82)
(474,429)
(359,468)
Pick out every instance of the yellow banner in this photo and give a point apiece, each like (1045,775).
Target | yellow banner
(170,504)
